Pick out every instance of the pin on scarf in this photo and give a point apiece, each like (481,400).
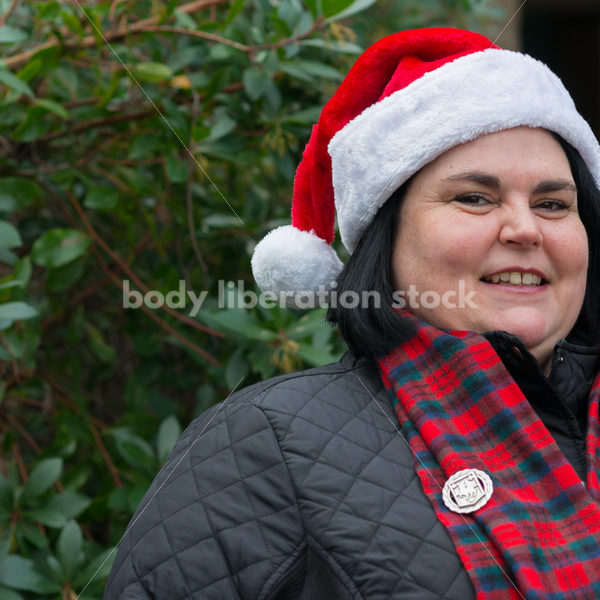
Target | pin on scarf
(467,491)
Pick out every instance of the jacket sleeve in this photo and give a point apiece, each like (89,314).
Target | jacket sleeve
(219,521)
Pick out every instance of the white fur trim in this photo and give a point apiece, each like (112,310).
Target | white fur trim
(290,262)
(480,93)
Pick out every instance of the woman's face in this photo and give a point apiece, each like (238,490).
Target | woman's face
(502,207)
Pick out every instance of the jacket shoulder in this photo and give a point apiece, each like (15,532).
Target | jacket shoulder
(347,382)
(221,519)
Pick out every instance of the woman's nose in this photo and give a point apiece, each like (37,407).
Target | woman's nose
(520,226)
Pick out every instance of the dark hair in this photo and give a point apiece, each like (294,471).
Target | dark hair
(368,329)
(371,330)
(587,328)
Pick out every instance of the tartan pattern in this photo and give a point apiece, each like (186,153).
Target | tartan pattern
(538,537)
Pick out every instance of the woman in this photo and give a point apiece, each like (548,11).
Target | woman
(452,453)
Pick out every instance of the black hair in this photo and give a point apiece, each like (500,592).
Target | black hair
(587,328)
(371,330)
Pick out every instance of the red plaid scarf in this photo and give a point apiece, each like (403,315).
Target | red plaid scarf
(539,534)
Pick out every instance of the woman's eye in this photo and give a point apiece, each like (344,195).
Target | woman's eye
(552,205)
(472,200)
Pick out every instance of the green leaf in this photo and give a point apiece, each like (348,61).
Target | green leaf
(14,343)
(333,7)
(152,72)
(62,278)
(224,125)
(7,257)
(7,594)
(30,70)
(234,10)
(134,449)
(308,324)
(304,117)
(143,146)
(101,198)
(314,6)
(30,532)
(17,311)
(316,356)
(117,499)
(221,220)
(98,568)
(17,193)
(45,473)
(332,45)
(168,433)
(11,35)
(135,496)
(312,69)
(33,126)
(236,370)
(55,567)
(53,107)
(255,82)
(22,271)
(238,322)
(177,168)
(355,7)
(289,12)
(69,548)
(9,236)
(46,516)
(72,22)
(184,20)
(69,504)
(6,285)
(18,573)
(105,352)
(58,247)
(14,83)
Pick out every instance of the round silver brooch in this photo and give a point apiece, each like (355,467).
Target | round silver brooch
(467,490)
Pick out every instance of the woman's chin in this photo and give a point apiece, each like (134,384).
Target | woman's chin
(531,327)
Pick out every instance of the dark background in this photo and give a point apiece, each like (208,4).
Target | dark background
(566,36)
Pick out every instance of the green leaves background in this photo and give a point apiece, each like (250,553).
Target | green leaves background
(102,181)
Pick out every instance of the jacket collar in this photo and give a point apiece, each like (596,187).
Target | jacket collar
(574,367)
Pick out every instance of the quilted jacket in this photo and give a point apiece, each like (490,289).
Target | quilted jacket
(299,487)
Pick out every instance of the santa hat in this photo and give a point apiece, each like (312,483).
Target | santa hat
(409,98)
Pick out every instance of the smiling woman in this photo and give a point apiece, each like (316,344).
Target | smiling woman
(454,451)
(500,214)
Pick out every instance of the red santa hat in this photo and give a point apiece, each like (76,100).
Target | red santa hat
(409,98)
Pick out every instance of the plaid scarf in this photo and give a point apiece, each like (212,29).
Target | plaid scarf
(539,534)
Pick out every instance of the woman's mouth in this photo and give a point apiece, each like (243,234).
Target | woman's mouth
(515,278)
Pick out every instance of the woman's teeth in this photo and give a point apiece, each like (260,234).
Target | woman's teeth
(514,278)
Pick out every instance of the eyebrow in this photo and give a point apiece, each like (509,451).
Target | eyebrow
(490,181)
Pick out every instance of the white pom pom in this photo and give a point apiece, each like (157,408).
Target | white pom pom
(292,263)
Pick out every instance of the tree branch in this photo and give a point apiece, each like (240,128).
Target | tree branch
(194,33)
(7,14)
(106,457)
(127,270)
(221,40)
(140,114)
(150,26)
(163,324)
(24,433)
(89,41)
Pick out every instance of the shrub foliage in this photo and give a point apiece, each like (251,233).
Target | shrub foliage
(144,148)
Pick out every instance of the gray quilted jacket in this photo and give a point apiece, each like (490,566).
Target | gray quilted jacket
(299,487)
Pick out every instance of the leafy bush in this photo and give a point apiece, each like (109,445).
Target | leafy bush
(145,148)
